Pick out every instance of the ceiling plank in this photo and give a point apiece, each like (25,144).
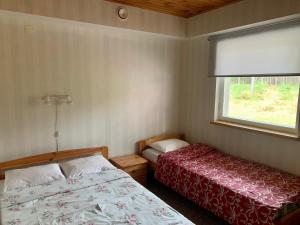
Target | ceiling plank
(183,8)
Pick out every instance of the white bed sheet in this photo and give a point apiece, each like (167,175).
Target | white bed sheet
(151,154)
(109,197)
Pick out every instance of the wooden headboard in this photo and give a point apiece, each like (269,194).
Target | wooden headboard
(50,157)
(142,144)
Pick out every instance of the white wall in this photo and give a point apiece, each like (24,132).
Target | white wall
(124,84)
(240,14)
(198,90)
(100,12)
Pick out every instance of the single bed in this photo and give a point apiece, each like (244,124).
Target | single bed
(108,197)
(239,191)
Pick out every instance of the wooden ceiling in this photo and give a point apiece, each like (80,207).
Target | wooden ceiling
(183,8)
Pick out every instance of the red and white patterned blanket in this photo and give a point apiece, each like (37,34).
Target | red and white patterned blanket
(239,191)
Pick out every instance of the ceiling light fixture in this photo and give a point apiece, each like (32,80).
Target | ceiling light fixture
(122,13)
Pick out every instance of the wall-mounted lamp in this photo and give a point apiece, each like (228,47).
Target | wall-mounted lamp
(57,100)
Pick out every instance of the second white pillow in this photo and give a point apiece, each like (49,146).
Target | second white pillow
(84,166)
(169,145)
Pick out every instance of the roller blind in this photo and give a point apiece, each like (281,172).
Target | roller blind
(272,50)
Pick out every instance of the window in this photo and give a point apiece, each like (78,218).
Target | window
(258,76)
(266,102)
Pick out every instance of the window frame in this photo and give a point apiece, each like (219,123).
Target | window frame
(221,104)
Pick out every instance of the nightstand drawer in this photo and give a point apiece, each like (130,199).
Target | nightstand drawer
(136,171)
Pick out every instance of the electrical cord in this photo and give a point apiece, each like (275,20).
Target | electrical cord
(56,132)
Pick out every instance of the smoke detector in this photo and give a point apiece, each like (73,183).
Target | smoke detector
(122,13)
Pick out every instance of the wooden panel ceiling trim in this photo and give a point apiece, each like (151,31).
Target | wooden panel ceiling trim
(182,8)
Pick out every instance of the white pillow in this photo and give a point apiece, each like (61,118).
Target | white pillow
(86,165)
(168,145)
(31,176)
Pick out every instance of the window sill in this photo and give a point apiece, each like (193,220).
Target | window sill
(255,129)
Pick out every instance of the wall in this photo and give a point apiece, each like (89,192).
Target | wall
(100,12)
(240,14)
(198,90)
(124,84)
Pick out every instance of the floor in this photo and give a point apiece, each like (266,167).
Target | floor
(187,208)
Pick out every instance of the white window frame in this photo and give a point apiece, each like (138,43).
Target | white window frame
(221,108)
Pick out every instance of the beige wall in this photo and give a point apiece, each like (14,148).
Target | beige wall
(240,14)
(198,91)
(124,84)
(100,12)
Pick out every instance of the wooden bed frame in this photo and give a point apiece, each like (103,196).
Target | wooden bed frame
(290,219)
(50,157)
(144,144)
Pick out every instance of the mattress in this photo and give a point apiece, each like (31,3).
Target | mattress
(151,154)
(239,191)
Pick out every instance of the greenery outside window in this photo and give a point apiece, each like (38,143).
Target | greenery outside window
(264,102)
(258,73)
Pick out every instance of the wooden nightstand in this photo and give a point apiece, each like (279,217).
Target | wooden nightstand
(134,165)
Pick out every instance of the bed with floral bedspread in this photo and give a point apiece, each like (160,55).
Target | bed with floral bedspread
(239,191)
(109,197)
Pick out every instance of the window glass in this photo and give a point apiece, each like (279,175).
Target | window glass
(268,100)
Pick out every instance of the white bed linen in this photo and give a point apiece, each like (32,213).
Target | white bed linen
(169,145)
(151,154)
(86,165)
(108,197)
(30,176)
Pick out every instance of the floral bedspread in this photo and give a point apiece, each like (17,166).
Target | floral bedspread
(236,190)
(109,197)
